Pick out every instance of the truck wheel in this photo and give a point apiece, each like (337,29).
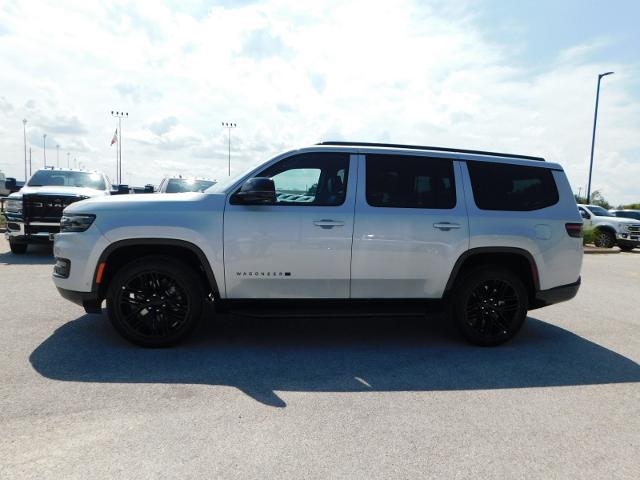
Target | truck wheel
(17,248)
(489,305)
(155,301)
(604,239)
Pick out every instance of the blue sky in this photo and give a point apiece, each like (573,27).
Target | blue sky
(484,74)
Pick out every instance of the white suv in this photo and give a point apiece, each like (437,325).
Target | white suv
(335,228)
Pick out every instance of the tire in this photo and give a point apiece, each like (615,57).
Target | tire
(626,248)
(489,305)
(155,301)
(18,248)
(604,239)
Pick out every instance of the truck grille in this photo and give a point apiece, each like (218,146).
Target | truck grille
(46,208)
(634,228)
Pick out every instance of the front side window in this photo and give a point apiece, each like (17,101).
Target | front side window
(310,179)
(508,187)
(404,181)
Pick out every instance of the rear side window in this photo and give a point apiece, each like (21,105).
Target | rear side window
(403,181)
(499,186)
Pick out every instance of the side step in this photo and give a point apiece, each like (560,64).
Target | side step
(329,308)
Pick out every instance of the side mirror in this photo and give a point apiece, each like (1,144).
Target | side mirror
(585,215)
(10,184)
(256,191)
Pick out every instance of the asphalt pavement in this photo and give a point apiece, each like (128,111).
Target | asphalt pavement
(321,398)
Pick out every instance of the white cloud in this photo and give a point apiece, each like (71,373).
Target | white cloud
(290,73)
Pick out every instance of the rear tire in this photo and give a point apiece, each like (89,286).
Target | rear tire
(155,301)
(489,305)
(604,239)
(18,248)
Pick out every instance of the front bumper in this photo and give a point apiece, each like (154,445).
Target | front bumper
(88,300)
(33,232)
(544,298)
(630,238)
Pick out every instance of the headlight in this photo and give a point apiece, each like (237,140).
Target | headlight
(76,223)
(624,227)
(13,206)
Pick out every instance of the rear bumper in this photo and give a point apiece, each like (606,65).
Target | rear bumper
(559,294)
(88,300)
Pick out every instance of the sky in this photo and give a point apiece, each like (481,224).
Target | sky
(517,77)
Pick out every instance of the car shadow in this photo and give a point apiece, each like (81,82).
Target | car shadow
(331,355)
(36,255)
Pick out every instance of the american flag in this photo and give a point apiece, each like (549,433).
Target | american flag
(115,137)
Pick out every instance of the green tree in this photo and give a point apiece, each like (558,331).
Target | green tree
(598,199)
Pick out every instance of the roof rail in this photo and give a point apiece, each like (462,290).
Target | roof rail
(436,149)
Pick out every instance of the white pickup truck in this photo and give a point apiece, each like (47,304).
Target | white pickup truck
(610,229)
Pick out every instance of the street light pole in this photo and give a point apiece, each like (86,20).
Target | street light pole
(119,116)
(229,126)
(593,137)
(68,164)
(44,147)
(58,156)
(24,133)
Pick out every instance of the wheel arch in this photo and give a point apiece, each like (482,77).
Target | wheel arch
(516,259)
(123,251)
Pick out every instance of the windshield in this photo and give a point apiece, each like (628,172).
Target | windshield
(60,178)
(222,185)
(179,185)
(599,211)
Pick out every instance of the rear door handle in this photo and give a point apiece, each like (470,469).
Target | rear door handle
(446,225)
(328,223)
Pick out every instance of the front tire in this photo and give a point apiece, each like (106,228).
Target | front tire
(18,248)
(604,239)
(155,301)
(489,305)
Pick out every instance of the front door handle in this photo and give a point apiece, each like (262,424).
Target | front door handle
(328,223)
(446,225)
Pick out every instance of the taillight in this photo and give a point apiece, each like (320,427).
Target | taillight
(574,229)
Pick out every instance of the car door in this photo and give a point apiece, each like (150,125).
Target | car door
(299,247)
(410,226)
(586,217)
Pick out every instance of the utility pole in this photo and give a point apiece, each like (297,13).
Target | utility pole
(24,133)
(119,116)
(593,137)
(229,126)
(44,147)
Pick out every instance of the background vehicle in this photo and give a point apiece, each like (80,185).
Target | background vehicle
(635,214)
(180,184)
(33,213)
(333,228)
(610,229)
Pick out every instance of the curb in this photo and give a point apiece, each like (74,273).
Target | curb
(601,251)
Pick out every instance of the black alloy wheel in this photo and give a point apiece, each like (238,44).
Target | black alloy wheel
(604,239)
(489,305)
(155,301)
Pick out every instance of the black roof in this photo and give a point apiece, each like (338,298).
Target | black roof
(436,149)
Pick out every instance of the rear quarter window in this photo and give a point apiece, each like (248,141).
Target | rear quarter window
(507,187)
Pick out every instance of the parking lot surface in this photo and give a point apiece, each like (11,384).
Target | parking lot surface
(322,398)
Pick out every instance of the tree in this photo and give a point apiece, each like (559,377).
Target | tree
(598,199)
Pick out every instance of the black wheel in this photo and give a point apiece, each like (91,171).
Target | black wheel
(155,301)
(17,248)
(626,248)
(489,305)
(604,239)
